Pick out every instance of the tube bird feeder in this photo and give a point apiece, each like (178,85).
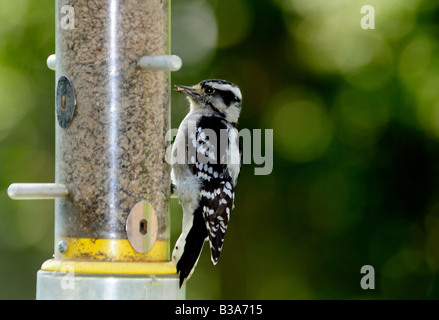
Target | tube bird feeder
(112,183)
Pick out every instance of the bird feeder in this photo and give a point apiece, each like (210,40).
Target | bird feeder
(112,183)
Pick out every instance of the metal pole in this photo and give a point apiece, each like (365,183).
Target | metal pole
(112,236)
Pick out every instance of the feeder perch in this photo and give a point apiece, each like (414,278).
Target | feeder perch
(112,183)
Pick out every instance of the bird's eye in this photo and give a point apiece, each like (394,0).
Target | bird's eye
(210,90)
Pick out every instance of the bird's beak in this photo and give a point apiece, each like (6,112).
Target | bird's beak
(189,91)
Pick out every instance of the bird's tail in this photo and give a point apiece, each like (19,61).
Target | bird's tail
(189,245)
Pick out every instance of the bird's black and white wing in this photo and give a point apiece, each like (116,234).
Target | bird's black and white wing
(216,169)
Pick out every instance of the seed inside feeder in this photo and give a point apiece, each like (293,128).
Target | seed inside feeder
(112,154)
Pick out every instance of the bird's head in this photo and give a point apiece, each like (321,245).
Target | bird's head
(220,97)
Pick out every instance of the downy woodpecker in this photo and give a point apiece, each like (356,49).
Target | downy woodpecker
(205,181)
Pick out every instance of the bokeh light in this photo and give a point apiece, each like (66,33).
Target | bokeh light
(361,116)
(302,129)
(13,107)
(195,33)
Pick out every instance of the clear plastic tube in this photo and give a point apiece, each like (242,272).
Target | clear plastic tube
(111,155)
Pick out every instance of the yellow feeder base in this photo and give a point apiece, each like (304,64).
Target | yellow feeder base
(105,267)
(109,256)
(120,250)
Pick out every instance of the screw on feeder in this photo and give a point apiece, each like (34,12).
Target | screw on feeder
(62,246)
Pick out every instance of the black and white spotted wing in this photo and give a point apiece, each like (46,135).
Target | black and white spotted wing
(212,144)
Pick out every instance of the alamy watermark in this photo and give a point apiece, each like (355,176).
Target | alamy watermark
(205,147)
(368,280)
(67,281)
(368,20)
(68,20)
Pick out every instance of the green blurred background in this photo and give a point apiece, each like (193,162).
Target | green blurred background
(355,115)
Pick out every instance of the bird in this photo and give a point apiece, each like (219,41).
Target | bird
(205,177)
